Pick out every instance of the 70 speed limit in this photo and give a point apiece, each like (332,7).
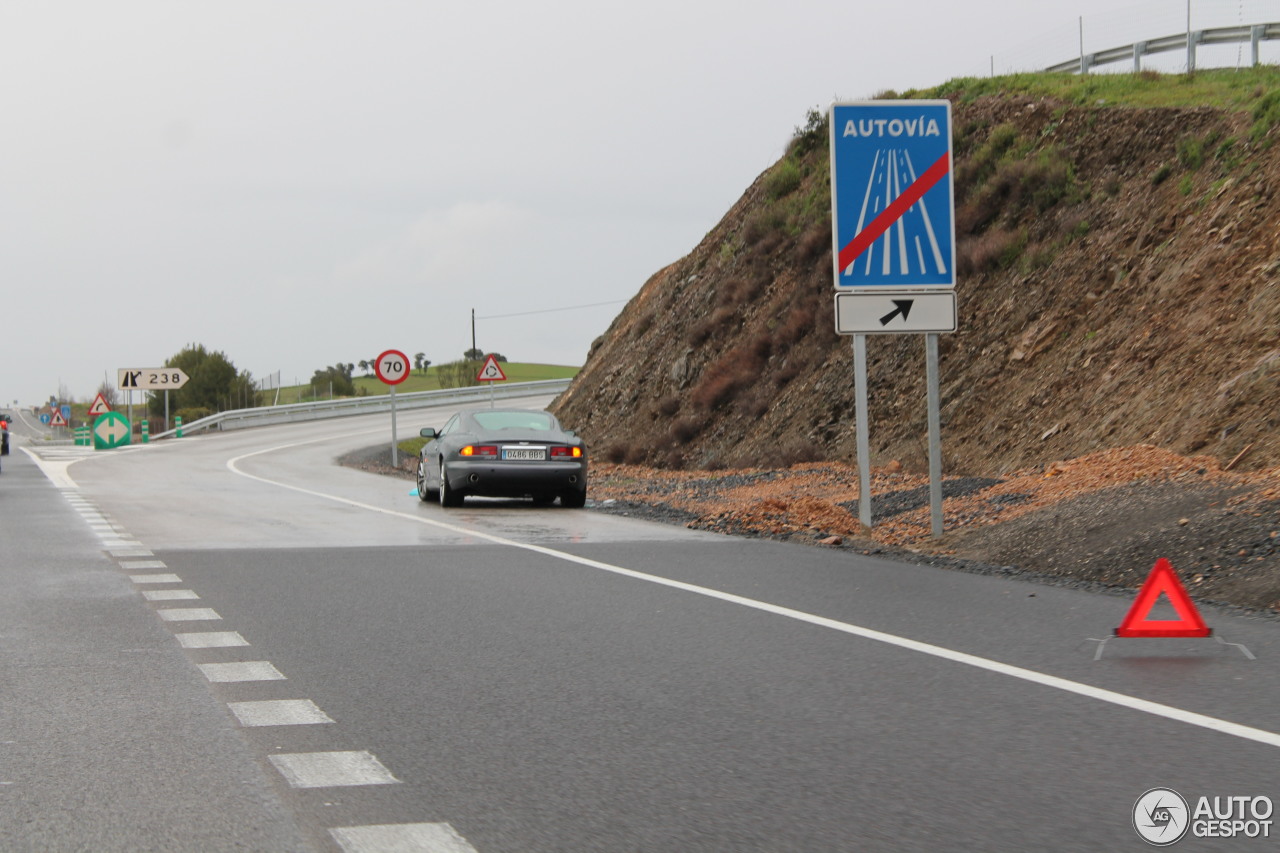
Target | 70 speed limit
(392,367)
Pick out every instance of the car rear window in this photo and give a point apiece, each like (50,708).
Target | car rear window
(514,420)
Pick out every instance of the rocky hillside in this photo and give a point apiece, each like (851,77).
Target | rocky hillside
(1119,285)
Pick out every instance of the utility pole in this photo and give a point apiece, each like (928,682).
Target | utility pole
(473,330)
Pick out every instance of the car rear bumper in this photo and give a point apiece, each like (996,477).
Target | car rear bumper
(516,479)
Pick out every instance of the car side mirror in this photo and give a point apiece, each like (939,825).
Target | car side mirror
(427,432)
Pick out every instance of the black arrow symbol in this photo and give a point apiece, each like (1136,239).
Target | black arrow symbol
(903,308)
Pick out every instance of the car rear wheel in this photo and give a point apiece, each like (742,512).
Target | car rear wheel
(448,496)
(424,494)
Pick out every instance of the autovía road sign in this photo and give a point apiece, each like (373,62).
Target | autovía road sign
(892,205)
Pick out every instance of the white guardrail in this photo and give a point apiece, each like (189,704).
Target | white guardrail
(348,406)
(1252,33)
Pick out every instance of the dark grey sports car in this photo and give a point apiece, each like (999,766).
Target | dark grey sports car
(503,453)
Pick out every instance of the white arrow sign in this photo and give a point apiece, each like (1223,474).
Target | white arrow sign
(888,313)
(151,378)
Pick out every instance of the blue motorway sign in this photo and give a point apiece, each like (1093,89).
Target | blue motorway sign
(893,208)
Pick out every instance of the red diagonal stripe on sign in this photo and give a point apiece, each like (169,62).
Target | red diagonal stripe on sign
(894,211)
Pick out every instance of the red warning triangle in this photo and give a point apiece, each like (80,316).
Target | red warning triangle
(57,419)
(491,372)
(99,406)
(1163,580)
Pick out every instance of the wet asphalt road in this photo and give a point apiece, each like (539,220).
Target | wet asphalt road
(547,679)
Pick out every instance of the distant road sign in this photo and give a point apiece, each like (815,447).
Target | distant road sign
(392,367)
(895,312)
(45,417)
(491,371)
(99,406)
(892,203)
(111,430)
(151,378)
(58,419)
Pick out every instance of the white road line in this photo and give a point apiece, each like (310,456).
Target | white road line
(253,670)
(129,552)
(188,614)
(169,594)
(279,712)
(211,640)
(1030,675)
(332,769)
(55,471)
(401,838)
(155,578)
(129,565)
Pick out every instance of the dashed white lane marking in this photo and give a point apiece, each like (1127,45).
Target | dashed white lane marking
(332,769)
(279,712)
(188,614)
(155,578)
(131,565)
(301,770)
(253,670)
(1029,675)
(211,640)
(401,838)
(169,594)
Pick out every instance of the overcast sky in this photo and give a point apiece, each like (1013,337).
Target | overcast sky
(302,182)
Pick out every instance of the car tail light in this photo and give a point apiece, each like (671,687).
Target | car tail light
(566,453)
(480,450)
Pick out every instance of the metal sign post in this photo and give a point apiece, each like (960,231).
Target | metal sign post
(392,368)
(935,434)
(893,230)
(863,429)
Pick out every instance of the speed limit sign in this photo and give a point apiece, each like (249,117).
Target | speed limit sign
(392,367)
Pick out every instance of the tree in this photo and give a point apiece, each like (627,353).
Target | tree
(457,374)
(473,354)
(417,360)
(213,383)
(339,375)
(426,362)
(497,356)
(109,393)
(365,366)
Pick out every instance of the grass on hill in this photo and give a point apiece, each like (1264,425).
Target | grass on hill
(373,387)
(1224,88)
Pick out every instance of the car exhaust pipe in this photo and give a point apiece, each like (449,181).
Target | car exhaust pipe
(573,479)
(475,478)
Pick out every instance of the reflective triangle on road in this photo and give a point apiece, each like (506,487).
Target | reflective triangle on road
(1163,580)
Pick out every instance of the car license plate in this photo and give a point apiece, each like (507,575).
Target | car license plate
(526,453)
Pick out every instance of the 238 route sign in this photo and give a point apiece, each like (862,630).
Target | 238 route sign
(151,378)
(892,204)
(392,367)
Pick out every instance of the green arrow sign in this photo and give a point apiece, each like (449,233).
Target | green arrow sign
(111,430)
